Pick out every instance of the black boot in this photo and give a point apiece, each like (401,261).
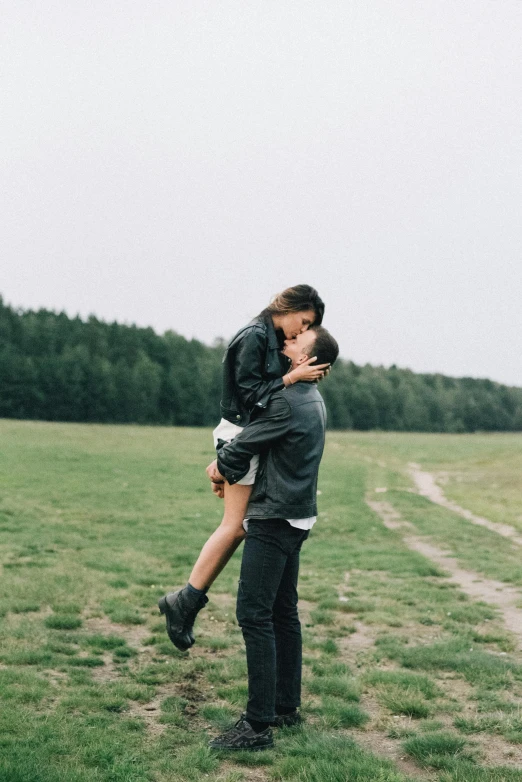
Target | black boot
(191,618)
(180,609)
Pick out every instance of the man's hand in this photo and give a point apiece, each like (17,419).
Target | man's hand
(213,473)
(217,482)
(218,489)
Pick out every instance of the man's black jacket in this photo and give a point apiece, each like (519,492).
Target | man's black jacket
(289,436)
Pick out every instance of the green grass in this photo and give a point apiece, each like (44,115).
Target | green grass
(507,725)
(60,622)
(400,701)
(477,666)
(98,522)
(315,756)
(438,750)
(337,713)
(465,772)
(341,687)
(404,680)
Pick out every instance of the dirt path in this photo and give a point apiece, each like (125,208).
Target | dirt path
(428,487)
(496,593)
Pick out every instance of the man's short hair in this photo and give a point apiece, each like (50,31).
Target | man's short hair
(325,346)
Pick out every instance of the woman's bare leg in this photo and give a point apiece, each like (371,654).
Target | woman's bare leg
(224,541)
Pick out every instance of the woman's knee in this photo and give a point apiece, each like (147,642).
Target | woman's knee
(232,527)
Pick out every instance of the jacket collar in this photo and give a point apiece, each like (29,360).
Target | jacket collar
(273,341)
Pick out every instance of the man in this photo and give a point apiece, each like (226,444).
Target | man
(289,436)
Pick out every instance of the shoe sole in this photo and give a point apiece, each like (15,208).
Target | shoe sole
(242,749)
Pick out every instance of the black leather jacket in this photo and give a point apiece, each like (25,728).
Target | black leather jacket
(289,436)
(253,368)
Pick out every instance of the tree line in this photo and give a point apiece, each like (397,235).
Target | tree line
(57,368)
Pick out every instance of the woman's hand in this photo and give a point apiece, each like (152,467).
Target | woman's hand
(326,372)
(306,371)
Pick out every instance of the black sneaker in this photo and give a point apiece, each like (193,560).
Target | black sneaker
(242,736)
(180,609)
(287,720)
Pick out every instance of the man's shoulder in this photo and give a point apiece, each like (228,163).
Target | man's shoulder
(297,400)
(302,393)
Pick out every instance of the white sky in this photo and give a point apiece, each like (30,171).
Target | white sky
(174,164)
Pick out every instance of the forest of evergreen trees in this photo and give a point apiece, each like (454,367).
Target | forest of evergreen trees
(57,368)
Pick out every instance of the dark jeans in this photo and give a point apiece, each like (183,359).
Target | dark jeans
(267,614)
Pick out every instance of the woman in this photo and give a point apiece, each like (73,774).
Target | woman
(253,370)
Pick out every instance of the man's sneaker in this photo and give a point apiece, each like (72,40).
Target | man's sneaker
(180,609)
(242,736)
(287,720)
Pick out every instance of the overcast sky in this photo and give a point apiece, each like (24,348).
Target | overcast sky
(175,164)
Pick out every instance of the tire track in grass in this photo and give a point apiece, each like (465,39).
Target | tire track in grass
(496,593)
(429,488)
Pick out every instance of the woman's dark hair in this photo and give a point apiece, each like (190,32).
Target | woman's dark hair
(325,346)
(297,299)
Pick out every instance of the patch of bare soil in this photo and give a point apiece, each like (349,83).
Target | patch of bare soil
(108,672)
(360,641)
(496,593)
(363,638)
(427,486)
(389,516)
(374,739)
(384,747)
(224,600)
(190,689)
(149,712)
(42,613)
(134,635)
(53,676)
(258,774)
(493,750)
(496,751)
(493,592)
(305,608)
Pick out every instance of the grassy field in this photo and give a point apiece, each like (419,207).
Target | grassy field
(412,613)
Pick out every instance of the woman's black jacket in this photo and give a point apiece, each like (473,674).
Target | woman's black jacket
(253,368)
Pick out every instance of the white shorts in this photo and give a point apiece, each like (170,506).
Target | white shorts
(226,431)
